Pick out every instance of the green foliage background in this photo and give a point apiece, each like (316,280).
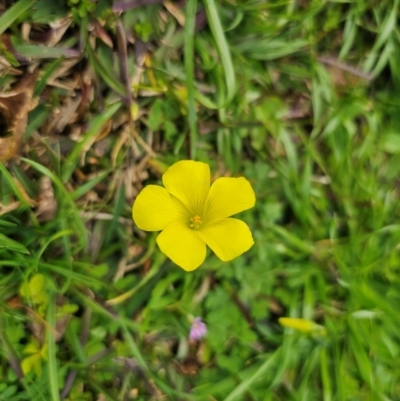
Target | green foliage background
(301,98)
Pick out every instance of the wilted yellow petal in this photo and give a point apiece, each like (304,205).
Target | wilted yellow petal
(154,209)
(182,245)
(303,325)
(189,181)
(228,196)
(228,238)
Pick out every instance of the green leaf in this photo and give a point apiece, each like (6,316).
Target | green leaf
(13,13)
(223,49)
(12,245)
(37,52)
(94,129)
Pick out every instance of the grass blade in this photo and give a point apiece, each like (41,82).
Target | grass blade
(13,13)
(51,343)
(261,371)
(189,67)
(223,49)
(94,128)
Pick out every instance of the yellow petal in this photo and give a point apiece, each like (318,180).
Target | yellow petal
(182,245)
(303,325)
(228,196)
(228,238)
(154,209)
(189,181)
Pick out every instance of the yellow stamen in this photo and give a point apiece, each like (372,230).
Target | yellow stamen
(195,222)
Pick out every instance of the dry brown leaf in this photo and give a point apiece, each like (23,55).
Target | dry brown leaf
(59,27)
(59,78)
(175,11)
(15,302)
(105,130)
(190,366)
(64,70)
(38,325)
(14,108)
(47,204)
(64,115)
(98,31)
(343,74)
(4,209)
(7,69)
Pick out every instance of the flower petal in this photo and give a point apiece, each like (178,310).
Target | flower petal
(189,181)
(182,245)
(228,238)
(228,196)
(154,209)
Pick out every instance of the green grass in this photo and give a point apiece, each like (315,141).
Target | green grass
(299,97)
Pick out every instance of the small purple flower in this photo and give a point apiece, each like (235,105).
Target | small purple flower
(198,329)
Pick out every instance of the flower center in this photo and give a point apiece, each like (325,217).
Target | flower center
(195,222)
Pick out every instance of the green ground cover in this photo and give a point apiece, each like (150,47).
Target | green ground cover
(301,98)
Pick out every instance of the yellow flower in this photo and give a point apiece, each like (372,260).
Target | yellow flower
(191,214)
